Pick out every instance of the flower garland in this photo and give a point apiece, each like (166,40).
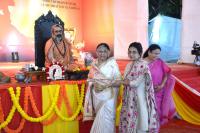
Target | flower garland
(61,99)
(78,98)
(12,111)
(36,111)
(77,82)
(25,115)
(66,100)
(68,82)
(119,107)
(62,94)
(28,95)
(54,117)
(22,122)
(80,102)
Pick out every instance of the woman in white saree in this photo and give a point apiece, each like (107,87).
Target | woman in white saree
(102,91)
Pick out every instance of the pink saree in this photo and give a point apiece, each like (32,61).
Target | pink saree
(164,100)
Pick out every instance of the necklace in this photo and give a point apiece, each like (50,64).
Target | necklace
(62,54)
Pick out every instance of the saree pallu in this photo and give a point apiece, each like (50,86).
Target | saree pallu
(100,104)
(138,110)
(164,100)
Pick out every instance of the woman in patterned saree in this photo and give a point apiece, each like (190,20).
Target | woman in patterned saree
(138,114)
(101,96)
(163,83)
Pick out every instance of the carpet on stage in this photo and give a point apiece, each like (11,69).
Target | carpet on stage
(188,73)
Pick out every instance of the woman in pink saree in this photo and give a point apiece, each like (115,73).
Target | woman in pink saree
(138,113)
(102,91)
(163,83)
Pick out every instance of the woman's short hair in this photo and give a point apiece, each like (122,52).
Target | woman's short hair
(104,45)
(138,46)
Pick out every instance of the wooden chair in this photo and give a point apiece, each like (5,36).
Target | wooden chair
(42,31)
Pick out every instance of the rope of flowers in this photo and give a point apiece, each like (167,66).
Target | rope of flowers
(28,94)
(25,115)
(54,117)
(66,100)
(77,82)
(119,107)
(68,82)
(77,110)
(22,122)
(78,98)
(36,111)
(12,111)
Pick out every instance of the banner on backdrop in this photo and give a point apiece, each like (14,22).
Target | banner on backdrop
(17,19)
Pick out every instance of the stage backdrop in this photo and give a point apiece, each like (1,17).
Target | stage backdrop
(116,22)
(97,23)
(190,28)
(17,19)
(130,24)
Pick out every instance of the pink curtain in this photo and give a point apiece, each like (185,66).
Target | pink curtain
(130,24)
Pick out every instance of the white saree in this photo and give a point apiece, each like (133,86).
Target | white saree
(101,100)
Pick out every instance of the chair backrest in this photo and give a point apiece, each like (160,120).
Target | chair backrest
(42,31)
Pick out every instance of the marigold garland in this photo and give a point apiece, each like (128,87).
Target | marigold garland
(68,82)
(66,100)
(62,93)
(78,98)
(25,115)
(54,117)
(22,122)
(77,110)
(36,111)
(12,111)
(56,107)
(119,107)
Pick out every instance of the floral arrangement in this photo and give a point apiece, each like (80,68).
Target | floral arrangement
(76,71)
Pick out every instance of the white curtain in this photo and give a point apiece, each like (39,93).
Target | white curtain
(130,24)
(190,28)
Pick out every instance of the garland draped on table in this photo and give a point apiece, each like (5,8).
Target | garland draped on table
(119,106)
(25,115)
(56,101)
(59,96)
(12,111)
(21,125)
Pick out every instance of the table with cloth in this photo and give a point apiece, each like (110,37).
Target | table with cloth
(38,107)
(43,108)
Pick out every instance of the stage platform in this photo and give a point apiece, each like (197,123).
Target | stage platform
(187,88)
